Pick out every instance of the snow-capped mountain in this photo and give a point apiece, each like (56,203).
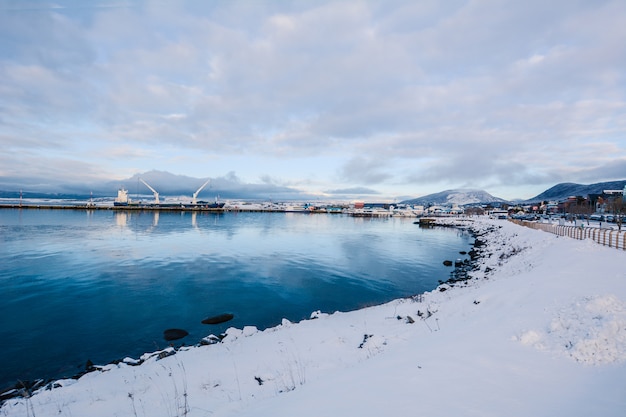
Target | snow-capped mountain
(564,190)
(458,197)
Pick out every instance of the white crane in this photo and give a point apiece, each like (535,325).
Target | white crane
(194,199)
(156,194)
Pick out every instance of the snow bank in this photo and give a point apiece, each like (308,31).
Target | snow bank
(590,330)
(539,330)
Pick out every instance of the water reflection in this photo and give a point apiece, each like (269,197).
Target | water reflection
(121,218)
(164,220)
(118,279)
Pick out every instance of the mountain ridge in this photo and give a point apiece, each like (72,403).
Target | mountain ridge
(230,186)
(558,192)
(458,197)
(564,190)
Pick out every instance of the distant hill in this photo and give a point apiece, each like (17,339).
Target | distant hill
(166,183)
(51,196)
(456,197)
(567,189)
(231,187)
(228,186)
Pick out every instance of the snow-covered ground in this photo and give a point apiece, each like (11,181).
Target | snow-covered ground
(540,330)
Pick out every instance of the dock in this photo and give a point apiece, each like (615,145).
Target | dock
(199,208)
(111,208)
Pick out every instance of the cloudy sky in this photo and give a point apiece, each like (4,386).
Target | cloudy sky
(347,99)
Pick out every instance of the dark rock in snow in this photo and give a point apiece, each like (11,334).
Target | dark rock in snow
(218,319)
(166,353)
(10,393)
(447,263)
(174,334)
(478,243)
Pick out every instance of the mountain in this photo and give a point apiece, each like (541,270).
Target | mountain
(164,182)
(564,190)
(228,186)
(456,197)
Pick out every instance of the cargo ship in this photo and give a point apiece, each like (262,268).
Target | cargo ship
(123,200)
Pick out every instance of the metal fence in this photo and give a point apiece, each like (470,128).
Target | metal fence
(607,237)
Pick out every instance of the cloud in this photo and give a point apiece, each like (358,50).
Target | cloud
(609,170)
(362,170)
(353,191)
(400,96)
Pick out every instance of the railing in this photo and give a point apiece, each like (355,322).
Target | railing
(607,237)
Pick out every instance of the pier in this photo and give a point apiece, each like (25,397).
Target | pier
(114,208)
(210,208)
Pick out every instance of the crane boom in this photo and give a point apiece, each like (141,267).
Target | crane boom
(156,194)
(195,195)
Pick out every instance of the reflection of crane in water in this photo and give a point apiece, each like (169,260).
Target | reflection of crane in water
(194,199)
(156,194)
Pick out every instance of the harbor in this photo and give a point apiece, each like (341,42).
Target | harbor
(249,208)
(237,207)
(103,207)
(123,202)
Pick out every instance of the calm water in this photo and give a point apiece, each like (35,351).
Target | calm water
(102,285)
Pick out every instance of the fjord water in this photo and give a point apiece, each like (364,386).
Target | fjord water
(101,285)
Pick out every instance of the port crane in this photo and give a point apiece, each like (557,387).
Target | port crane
(194,199)
(156,194)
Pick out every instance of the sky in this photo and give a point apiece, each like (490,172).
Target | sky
(381,100)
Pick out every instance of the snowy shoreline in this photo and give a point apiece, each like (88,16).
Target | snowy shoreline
(539,328)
